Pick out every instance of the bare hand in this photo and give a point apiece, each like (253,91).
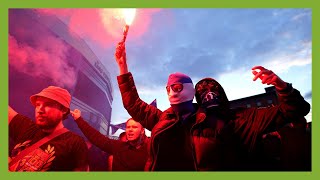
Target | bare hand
(121,58)
(268,77)
(75,114)
(120,53)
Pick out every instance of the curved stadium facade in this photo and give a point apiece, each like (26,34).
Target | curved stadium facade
(91,90)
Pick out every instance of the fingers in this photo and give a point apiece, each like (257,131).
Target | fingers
(258,67)
(259,74)
(120,50)
(273,80)
(263,74)
(120,47)
(75,111)
(269,79)
(256,73)
(267,76)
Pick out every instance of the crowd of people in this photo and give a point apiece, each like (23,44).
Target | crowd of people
(204,136)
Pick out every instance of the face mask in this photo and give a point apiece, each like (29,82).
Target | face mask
(207,92)
(180,95)
(180,88)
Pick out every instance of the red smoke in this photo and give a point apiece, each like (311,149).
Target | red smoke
(105,30)
(39,53)
(45,60)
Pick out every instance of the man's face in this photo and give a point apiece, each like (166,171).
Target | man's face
(133,130)
(48,113)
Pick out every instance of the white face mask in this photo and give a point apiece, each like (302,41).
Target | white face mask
(186,94)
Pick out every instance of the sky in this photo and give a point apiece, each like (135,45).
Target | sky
(223,44)
(220,43)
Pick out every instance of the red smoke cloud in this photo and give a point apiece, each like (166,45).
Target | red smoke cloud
(41,54)
(103,28)
(44,60)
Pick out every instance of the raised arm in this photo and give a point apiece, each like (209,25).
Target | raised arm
(95,137)
(139,110)
(292,104)
(253,122)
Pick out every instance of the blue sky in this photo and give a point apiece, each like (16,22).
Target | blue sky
(220,43)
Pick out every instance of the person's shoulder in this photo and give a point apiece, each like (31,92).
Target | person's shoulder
(195,105)
(167,114)
(74,135)
(20,120)
(20,117)
(168,111)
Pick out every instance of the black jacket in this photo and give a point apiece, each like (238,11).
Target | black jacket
(208,146)
(125,156)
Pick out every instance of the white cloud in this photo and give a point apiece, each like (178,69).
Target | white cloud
(239,84)
(282,63)
(301,15)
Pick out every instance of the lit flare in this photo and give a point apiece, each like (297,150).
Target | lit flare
(128,15)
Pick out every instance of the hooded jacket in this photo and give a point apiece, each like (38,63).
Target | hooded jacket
(209,146)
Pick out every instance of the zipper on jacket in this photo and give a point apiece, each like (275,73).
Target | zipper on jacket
(195,163)
(153,150)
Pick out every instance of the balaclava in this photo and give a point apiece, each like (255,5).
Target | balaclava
(211,96)
(181,102)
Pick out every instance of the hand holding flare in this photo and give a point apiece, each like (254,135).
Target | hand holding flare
(120,53)
(121,58)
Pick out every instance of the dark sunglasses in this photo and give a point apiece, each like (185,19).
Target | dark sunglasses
(175,87)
